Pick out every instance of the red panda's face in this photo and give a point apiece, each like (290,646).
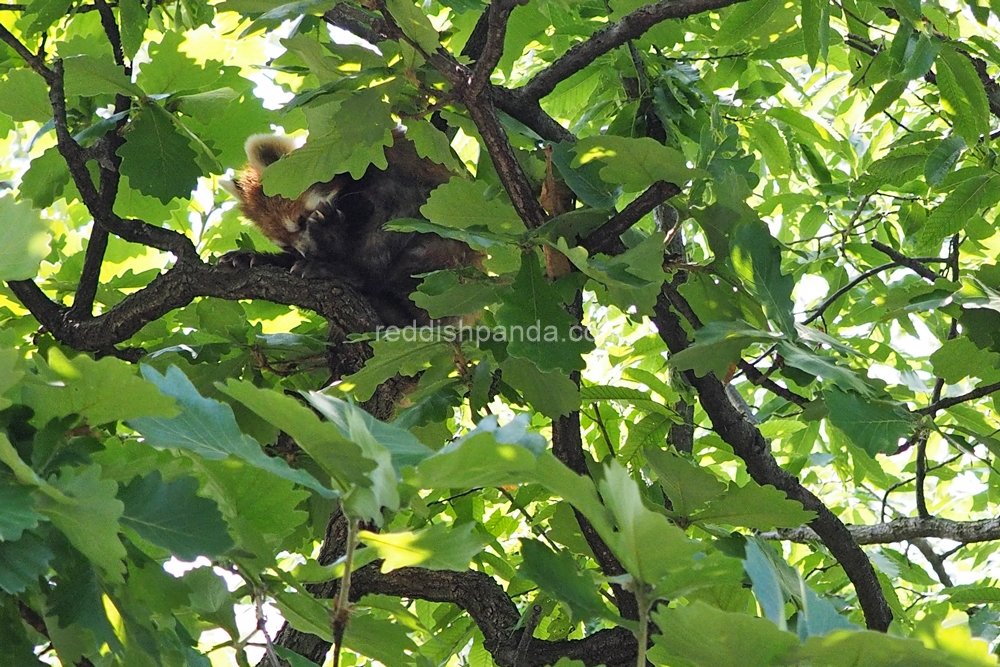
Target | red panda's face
(282,220)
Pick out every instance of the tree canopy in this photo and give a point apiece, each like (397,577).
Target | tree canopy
(725,396)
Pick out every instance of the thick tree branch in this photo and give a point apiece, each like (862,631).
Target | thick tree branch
(631,26)
(514,180)
(179,286)
(495,615)
(903,530)
(748,443)
(497,15)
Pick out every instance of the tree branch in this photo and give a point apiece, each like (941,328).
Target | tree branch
(605,238)
(631,26)
(748,443)
(497,15)
(495,615)
(904,529)
(903,260)
(134,231)
(945,403)
(36,63)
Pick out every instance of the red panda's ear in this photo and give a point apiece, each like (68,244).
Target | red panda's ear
(231,186)
(265,149)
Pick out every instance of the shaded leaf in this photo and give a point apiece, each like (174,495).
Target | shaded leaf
(873,425)
(558,575)
(171,515)
(17,512)
(208,428)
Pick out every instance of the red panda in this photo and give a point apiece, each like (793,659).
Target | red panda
(336,228)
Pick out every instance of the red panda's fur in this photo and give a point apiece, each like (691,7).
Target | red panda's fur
(336,228)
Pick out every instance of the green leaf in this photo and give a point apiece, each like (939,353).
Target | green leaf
(633,279)
(552,394)
(961,204)
(443,293)
(960,358)
(558,574)
(100,391)
(439,547)
(170,71)
(25,475)
(822,366)
(919,62)
(770,143)
(133,25)
(11,372)
(649,432)
(886,95)
(414,24)
(744,20)
(647,544)
(701,636)
(17,512)
(755,506)
(463,204)
(490,455)
(535,325)
(342,146)
(717,346)
(431,143)
(942,159)
(371,434)
(962,95)
(767,572)
(45,180)
(873,425)
(635,164)
(24,96)
(22,562)
(263,510)
(756,256)
(395,351)
(688,486)
(208,428)
(171,515)
(381,639)
(91,522)
(844,649)
(339,457)
(24,240)
(971,594)
(816,29)
(156,158)
(585,181)
(89,76)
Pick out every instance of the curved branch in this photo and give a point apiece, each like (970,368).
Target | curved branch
(748,443)
(495,615)
(179,286)
(631,26)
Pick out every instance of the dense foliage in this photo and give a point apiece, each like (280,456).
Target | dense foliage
(774,221)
